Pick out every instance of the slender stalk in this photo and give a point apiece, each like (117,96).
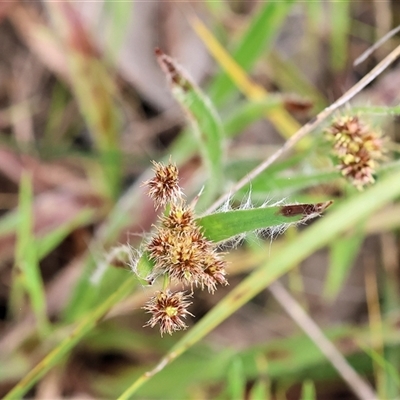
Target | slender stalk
(75,336)
(358,385)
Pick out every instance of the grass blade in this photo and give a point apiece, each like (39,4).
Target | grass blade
(205,121)
(95,92)
(342,255)
(340,27)
(236,380)
(226,225)
(280,117)
(257,39)
(26,257)
(85,326)
(308,391)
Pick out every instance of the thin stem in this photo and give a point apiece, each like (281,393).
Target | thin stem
(358,385)
(307,128)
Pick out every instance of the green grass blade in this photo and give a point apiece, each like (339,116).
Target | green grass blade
(249,112)
(236,380)
(340,27)
(343,252)
(242,115)
(258,39)
(119,13)
(308,391)
(290,79)
(226,225)
(260,390)
(8,223)
(51,240)
(318,235)
(230,224)
(205,122)
(85,326)
(26,255)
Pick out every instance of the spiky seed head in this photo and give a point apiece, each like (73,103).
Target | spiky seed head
(164,187)
(180,217)
(358,149)
(167,309)
(214,273)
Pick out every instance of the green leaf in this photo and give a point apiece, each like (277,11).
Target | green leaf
(226,225)
(340,26)
(26,260)
(260,390)
(236,380)
(343,252)
(238,119)
(50,241)
(308,391)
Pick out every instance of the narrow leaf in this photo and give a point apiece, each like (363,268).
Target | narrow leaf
(225,225)
(258,39)
(279,117)
(26,255)
(205,121)
(343,252)
(236,380)
(308,391)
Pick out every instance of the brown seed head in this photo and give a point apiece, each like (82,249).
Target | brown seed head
(164,187)
(167,309)
(214,273)
(180,217)
(358,149)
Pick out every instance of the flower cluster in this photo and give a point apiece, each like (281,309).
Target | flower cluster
(164,187)
(180,252)
(358,149)
(167,309)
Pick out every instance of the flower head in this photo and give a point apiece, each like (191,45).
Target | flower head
(178,255)
(214,273)
(180,217)
(358,149)
(164,186)
(167,309)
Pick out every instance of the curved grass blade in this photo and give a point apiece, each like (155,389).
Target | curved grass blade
(204,119)
(318,235)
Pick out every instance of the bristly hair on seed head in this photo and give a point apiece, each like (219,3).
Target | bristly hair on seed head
(180,217)
(164,187)
(167,309)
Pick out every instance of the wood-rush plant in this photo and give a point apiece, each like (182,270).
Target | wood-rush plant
(180,252)
(167,254)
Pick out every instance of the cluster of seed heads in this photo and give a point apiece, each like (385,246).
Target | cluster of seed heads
(358,149)
(180,252)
